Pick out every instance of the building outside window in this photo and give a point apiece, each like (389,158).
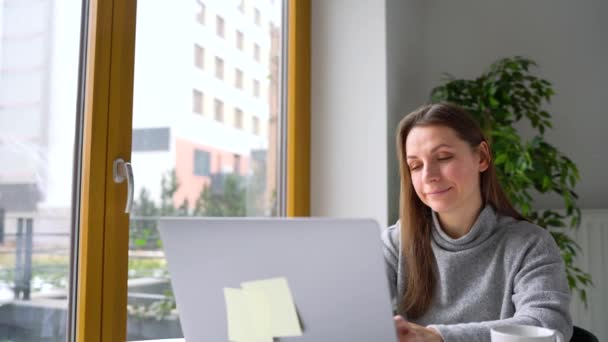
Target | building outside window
(202,163)
(240,40)
(256,88)
(220,26)
(256,52)
(197,101)
(200,14)
(238,78)
(219,68)
(238,118)
(219,110)
(199,56)
(237,164)
(257,17)
(255,121)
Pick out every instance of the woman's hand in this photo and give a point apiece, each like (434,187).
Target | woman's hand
(410,332)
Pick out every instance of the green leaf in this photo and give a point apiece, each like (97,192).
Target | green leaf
(546,182)
(500,159)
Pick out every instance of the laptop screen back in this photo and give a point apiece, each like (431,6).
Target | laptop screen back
(334,268)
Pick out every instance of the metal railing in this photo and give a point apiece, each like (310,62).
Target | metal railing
(20,243)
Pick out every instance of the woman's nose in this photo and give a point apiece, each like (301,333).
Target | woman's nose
(431,173)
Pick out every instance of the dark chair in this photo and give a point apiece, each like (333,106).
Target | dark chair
(581,335)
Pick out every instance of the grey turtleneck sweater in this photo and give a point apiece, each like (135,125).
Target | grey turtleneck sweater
(502,272)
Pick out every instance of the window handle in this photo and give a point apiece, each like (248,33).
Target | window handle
(122,170)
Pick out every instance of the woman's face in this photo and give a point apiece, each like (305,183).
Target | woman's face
(444,169)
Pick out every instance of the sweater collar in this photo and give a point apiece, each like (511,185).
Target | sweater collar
(482,229)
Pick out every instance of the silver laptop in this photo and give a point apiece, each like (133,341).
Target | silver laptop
(334,267)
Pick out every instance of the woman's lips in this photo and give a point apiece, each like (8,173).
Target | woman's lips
(438,192)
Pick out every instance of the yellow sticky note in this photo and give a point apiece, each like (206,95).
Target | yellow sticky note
(237,314)
(258,314)
(284,320)
(248,316)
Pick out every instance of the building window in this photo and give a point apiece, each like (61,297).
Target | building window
(256,52)
(238,118)
(219,68)
(200,14)
(219,110)
(237,164)
(255,122)
(219,26)
(150,139)
(199,56)
(238,78)
(256,88)
(197,101)
(202,163)
(257,17)
(240,40)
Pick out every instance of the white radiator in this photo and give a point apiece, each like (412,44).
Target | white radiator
(592,236)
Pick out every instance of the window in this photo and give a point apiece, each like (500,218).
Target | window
(150,139)
(200,14)
(257,17)
(219,26)
(37,158)
(255,122)
(199,56)
(240,39)
(214,165)
(197,101)
(237,164)
(219,68)
(256,88)
(238,118)
(219,110)
(256,52)
(202,163)
(238,78)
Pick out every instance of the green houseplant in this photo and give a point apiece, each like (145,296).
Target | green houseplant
(507,93)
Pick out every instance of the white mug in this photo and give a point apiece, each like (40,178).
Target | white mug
(525,333)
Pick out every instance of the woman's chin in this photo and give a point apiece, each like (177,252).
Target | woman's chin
(440,207)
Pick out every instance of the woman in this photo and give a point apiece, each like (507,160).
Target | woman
(462,260)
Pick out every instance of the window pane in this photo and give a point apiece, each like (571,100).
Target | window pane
(240,40)
(197,101)
(238,75)
(219,26)
(221,163)
(256,52)
(200,12)
(238,118)
(219,110)
(39,58)
(257,17)
(219,68)
(199,57)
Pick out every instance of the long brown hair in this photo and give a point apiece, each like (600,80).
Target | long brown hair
(415,216)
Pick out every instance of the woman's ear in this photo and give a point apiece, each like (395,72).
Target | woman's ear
(484,156)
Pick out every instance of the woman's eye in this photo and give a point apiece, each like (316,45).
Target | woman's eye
(414,167)
(445,158)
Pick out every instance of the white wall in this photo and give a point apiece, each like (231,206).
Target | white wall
(348,110)
(566,38)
